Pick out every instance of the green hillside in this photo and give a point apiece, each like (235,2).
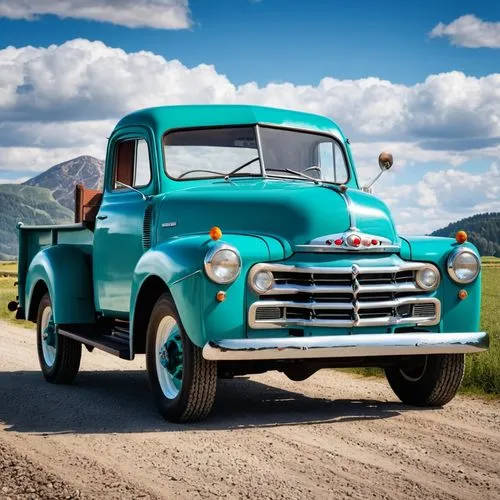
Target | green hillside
(31,205)
(483,231)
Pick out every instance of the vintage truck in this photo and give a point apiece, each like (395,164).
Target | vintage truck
(233,240)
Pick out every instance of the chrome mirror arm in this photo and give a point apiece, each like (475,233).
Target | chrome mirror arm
(385,162)
(367,188)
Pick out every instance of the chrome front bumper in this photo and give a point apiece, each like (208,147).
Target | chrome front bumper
(346,346)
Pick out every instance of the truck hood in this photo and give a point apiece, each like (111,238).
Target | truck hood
(297,211)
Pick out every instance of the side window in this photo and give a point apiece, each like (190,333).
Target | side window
(142,166)
(332,162)
(132,165)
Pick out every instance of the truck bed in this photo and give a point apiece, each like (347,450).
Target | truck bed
(33,239)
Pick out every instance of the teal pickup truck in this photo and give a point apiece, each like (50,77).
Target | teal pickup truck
(233,240)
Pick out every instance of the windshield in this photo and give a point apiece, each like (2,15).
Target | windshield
(234,151)
(318,156)
(211,152)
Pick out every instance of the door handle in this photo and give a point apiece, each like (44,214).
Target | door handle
(102,217)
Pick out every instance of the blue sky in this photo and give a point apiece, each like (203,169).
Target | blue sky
(298,41)
(419,78)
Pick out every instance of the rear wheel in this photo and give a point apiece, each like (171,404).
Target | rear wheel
(433,381)
(59,356)
(183,382)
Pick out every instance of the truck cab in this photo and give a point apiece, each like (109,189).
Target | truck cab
(232,240)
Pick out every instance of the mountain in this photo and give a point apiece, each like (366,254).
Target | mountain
(47,198)
(483,231)
(31,205)
(61,179)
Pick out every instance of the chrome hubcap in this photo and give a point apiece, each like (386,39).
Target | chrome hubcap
(414,374)
(169,357)
(49,337)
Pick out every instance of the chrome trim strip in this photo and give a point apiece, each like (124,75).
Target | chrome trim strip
(348,205)
(406,266)
(291,290)
(346,346)
(334,249)
(347,305)
(186,277)
(342,323)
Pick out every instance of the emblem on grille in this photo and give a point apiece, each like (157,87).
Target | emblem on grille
(351,240)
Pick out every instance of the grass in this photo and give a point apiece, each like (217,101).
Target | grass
(8,292)
(8,269)
(490,261)
(482,372)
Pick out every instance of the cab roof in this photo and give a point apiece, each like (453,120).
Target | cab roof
(164,118)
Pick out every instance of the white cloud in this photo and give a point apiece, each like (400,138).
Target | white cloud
(82,80)
(36,160)
(441,197)
(160,14)
(470,31)
(62,101)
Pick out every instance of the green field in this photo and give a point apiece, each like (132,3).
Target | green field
(482,371)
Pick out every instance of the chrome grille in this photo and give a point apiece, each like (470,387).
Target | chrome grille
(343,297)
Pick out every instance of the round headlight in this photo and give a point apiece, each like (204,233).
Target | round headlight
(428,278)
(223,264)
(262,281)
(463,266)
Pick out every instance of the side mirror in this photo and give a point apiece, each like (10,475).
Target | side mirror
(385,162)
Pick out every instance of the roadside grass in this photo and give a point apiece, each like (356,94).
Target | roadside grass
(490,261)
(8,292)
(8,269)
(482,372)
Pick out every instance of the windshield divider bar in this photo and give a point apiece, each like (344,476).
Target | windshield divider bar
(261,151)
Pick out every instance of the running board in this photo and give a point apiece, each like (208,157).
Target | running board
(116,343)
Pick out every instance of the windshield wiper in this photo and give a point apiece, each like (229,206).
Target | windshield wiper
(295,172)
(241,167)
(301,174)
(226,176)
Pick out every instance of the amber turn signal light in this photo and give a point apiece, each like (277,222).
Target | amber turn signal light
(215,233)
(221,296)
(462,294)
(461,236)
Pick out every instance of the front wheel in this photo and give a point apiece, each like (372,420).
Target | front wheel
(183,382)
(59,356)
(433,380)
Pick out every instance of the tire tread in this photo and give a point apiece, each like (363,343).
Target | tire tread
(437,387)
(199,387)
(68,356)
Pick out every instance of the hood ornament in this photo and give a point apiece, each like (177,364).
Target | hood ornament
(351,240)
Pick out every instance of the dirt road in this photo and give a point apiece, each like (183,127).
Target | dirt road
(333,436)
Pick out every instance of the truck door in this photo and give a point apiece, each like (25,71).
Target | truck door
(118,238)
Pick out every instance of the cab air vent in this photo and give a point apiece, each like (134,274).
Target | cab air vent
(146,227)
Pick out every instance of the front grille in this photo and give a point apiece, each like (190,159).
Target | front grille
(343,297)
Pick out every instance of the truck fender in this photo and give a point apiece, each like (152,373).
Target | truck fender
(166,266)
(66,273)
